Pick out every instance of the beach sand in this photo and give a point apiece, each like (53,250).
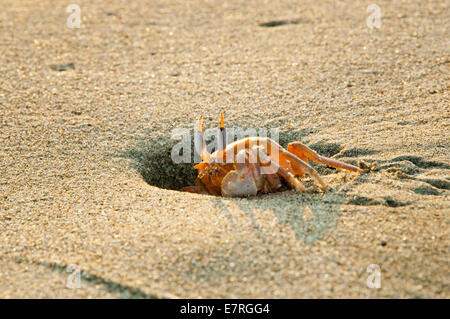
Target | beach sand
(86,178)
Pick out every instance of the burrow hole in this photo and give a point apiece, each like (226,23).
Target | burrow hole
(153,160)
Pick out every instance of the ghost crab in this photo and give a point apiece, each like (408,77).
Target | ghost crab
(255,164)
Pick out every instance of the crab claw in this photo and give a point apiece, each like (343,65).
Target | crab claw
(236,185)
(245,180)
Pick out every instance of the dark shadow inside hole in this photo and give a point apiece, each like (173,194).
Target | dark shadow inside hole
(154,162)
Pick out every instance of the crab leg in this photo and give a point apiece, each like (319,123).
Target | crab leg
(288,162)
(288,176)
(305,153)
(292,163)
(265,161)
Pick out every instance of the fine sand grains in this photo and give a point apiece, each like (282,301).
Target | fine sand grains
(86,120)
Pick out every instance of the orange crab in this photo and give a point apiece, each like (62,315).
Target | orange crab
(255,164)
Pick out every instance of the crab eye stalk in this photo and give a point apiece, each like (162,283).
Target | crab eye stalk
(222,141)
(199,141)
